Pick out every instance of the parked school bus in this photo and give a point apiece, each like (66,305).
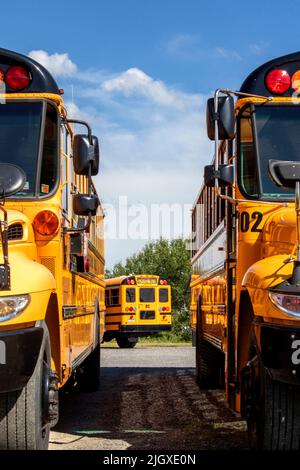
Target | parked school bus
(245,287)
(136,306)
(51,272)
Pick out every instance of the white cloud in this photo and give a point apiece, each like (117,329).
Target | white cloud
(258,48)
(227,53)
(136,82)
(190,47)
(60,65)
(153,141)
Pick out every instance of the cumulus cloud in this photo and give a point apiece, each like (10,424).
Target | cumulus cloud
(190,47)
(136,82)
(152,138)
(60,65)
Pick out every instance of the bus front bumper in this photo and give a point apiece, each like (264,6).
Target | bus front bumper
(19,352)
(279,348)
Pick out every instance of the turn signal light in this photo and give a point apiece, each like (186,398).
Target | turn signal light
(46,223)
(17,77)
(278,81)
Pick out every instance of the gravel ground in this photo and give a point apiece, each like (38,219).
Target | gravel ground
(148,400)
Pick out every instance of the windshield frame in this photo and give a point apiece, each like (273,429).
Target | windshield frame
(252,105)
(38,196)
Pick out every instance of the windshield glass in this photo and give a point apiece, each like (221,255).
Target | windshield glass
(277,131)
(20,130)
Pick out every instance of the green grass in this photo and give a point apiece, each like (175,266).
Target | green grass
(151,342)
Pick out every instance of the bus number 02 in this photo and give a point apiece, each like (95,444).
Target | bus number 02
(245,221)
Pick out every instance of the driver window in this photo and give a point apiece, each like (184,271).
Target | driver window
(248,164)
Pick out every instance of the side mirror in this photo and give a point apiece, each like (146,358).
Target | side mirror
(285,174)
(85,155)
(225,175)
(85,205)
(12,179)
(225,118)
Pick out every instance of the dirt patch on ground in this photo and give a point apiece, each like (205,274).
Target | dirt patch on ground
(151,408)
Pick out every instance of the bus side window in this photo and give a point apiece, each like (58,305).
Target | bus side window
(163,294)
(130,294)
(107,297)
(114,299)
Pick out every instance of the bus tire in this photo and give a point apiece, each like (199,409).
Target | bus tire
(126,343)
(276,422)
(209,366)
(24,414)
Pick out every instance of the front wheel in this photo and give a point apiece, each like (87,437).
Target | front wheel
(24,414)
(275,423)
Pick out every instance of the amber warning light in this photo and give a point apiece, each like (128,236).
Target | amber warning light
(46,223)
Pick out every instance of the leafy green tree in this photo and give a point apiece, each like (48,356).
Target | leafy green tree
(166,258)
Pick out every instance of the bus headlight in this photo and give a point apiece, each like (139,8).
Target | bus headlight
(289,304)
(12,306)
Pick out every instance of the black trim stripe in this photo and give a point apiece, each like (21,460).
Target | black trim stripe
(71,311)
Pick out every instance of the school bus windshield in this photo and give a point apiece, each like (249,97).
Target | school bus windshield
(277,130)
(21,127)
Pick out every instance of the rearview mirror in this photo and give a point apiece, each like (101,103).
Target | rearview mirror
(285,174)
(85,155)
(85,205)
(225,175)
(225,117)
(12,179)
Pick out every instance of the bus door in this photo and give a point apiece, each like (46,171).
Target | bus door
(147,305)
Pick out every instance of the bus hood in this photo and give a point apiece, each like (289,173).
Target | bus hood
(279,232)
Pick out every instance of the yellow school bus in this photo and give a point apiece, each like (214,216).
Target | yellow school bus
(51,259)
(245,285)
(136,306)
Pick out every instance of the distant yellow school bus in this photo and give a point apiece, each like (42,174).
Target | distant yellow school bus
(245,285)
(51,273)
(136,306)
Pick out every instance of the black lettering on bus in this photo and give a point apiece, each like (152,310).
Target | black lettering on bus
(245,221)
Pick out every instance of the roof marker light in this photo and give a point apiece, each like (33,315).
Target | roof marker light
(296,80)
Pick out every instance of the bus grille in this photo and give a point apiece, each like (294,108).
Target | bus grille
(147,315)
(15,232)
(49,263)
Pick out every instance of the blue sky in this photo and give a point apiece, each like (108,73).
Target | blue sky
(140,72)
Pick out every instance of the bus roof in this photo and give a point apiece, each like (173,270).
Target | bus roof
(39,79)
(255,83)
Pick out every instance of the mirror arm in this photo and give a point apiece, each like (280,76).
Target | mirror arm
(4,239)
(82,229)
(89,221)
(83,123)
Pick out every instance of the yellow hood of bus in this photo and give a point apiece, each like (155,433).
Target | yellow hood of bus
(268,272)
(279,232)
(27,274)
